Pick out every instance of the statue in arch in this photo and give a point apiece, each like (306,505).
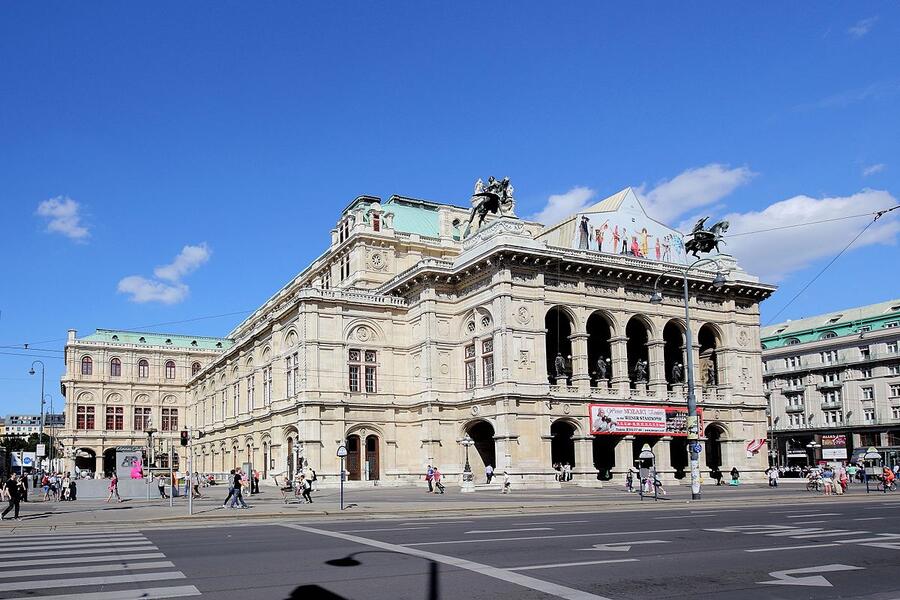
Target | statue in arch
(640,371)
(560,367)
(677,373)
(602,368)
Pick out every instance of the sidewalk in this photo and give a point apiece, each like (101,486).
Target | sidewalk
(392,502)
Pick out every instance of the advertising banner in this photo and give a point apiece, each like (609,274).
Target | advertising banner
(631,419)
(834,447)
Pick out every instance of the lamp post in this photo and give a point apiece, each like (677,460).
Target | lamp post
(647,454)
(693,427)
(150,451)
(31,372)
(468,482)
(52,437)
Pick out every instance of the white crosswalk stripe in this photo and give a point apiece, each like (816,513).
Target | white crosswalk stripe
(882,540)
(65,566)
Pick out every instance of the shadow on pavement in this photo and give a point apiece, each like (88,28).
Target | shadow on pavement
(313,592)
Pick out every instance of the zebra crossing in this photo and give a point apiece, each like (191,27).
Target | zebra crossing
(97,565)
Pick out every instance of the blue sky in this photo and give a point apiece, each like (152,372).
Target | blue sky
(128,133)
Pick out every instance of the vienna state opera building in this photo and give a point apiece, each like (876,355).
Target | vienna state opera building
(419,326)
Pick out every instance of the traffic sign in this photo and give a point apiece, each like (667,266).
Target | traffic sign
(342,451)
(41,450)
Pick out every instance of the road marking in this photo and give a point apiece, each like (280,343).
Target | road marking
(542,537)
(836,533)
(51,545)
(717,510)
(55,561)
(752,528)
(437,522)
(622,546)
(790,532)
(572,564)
(382,529)
(79,581)
(786,577)
(791,548)
(814,515)
(554,589)
(82,543)
(552,522)
(887,545)
(868,519)
(883,537)
(141,594)
(126,566)
(510,530)
(812,522)
(143,547)
(75,536)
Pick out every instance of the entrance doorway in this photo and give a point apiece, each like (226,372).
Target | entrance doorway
(373,465)
(85,459)
(562,446)
(482,433)
(109,461)
(714,449)
(604,450)
(354,473)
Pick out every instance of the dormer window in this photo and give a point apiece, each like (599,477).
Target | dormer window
(169,340)
(218,344)
(376,222)
(115,338)
(142,340)
(193,342)
(835,319)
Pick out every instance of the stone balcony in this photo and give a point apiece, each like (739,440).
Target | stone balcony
(832,405)
(793,389)
(829,385)
(794,408)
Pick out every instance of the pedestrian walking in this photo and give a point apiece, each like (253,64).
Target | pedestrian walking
(439,487)
(735,476)
(113,489)
(230,488)
(429,477)
(629,481)
(13,495)
(488,473)
(161,486)
(73,489)
(772,472)
(64,488)
(254,486)
(828,480)
(305,489)
(187,483)
(238,497)
(195,484)
(717,475)
(506,484)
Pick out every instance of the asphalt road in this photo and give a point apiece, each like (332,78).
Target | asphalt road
(835,548)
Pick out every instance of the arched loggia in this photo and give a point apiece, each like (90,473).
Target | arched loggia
(599,349)
(562,444)
(559,347)
(482,433)
(673,351)
(708,340)
(638,333)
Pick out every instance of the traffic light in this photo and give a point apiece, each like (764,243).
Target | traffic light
(184,438)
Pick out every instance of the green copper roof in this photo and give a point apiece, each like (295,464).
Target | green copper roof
(414,216)
(139,338)
(834,324)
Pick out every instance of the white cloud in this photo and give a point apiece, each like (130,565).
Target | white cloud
(872,169)
(143,290)
(692,189)
(167,288)
(862,27)
(63,217)
(188,260)
(773,255)
(560,206)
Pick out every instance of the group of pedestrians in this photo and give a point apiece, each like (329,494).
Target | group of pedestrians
(235,489)
(433,477)
(563,471)
(58,487)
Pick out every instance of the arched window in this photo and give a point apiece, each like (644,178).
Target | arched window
(87,366)
(376,222)
(170,369)
(143,368)
(792,342)
(828,335)
(195,368)
(115,367)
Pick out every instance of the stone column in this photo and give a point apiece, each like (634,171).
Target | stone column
(580,375)
(98,460)
(584,456)
(619,351)
(663,453)
(657,373)
(624,454)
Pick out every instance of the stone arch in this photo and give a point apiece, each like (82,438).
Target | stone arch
(476,322)
(482,433)
(673,351)
(714,433)
(363,330)
(559,323)
(709,338)
(84,398)
(600,329)
(266,353)
(113,398)
(562,443)
(639,331)
(291,337)
(85,459)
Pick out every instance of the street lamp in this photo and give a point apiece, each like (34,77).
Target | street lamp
(52,431)
(468,482)
(31,372)
(693,427)
(150,453)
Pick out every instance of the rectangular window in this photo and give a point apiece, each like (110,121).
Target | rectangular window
(224,403)
(865,373)
(115,368)
(892,325)
(296,358)
(169,420)
(829,357)
(834,417)
(894,369)
(487,361)
(792,362)
(892,348)
(251,393)
(470,366)
(115,418)
(868,415)
(84,417)
(170,370)
(864,352)
(795,400)
(832,396)
(371,375)
(141,418)
(326,280)
(895,390)
(289,377)
(353,360)
(236,396)
(832,377)
(267,386)
(868,393)
(895,412)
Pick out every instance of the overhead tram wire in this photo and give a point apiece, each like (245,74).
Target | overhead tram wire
(878,215)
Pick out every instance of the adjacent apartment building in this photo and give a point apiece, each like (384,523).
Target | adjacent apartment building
(408,334)
(833,383)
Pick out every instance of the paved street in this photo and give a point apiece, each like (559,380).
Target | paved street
(818,548)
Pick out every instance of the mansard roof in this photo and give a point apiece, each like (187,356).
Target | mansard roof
(840,322)
(146,338)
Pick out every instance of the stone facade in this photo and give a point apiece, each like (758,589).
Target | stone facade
(401,339)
